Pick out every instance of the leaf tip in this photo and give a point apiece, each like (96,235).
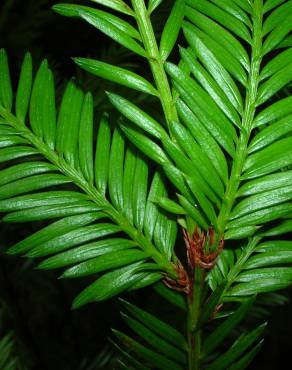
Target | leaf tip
(77,60)
(79,301)
(42,266)
(11,251)
(61,277)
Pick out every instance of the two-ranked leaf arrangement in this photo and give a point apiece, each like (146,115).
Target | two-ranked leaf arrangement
(209,181)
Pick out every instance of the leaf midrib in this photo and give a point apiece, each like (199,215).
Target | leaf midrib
(96,197)
(247,121)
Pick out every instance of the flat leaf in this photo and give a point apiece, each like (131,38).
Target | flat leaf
(278,34)
(104,262)
(215,278)
(170,206)
(103,143)
(265,183)
(277,17)
(276,64)
(41,199)
(146,280)
(274,112)
(282,273)
(24,88)
(232,8)
(154,358)
(210,85)
(143,143)
(199,160)
(157,189)
(258,286)
(116,169)
(203,202)
(116,74)
(240,232)
(274,84)
(223,263)
(153,4)
(165,330)
(42,112)
(129,182)
(55,229)
(245,5)
(210,305)
(220,35)
(139,192)
(193,212)
(117,5)
(262,216)
(204,139)
(176,177)
(285,43)
(6,94)
(7,154)
(244,342)
(109,285)
(165,234)
(129,358)
(282,228)
(155,341)
(274,245)
(223,330)
(220,75)
(270,4)
(49,110)
(269,159)
(136,115)
(171,29)
(268,259)
(199,102)
(86,252)
(247,358)
(31,183)
(68,121)
(262,200)
(48,212)
(112,26)
(221,16)
(72,238)
(11,140)
(191,173)
(171,296)
(25,169)
(6,130)
(86,138)
(271,133)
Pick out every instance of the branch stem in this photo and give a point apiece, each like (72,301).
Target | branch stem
(194,310)
(154,59)
(247,118)
(93,193)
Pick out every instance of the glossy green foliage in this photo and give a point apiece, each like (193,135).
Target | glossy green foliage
(167,344)
(215,158)
(8,357)
(94,189)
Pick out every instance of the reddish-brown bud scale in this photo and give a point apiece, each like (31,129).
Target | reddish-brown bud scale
(198,246)
(196,249)
(182,284)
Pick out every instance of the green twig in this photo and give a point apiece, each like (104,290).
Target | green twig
(247,119)
(155,61)
(194,311)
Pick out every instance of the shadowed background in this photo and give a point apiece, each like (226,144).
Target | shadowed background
(34,304)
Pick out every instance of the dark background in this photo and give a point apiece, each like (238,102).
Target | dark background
(36,304)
